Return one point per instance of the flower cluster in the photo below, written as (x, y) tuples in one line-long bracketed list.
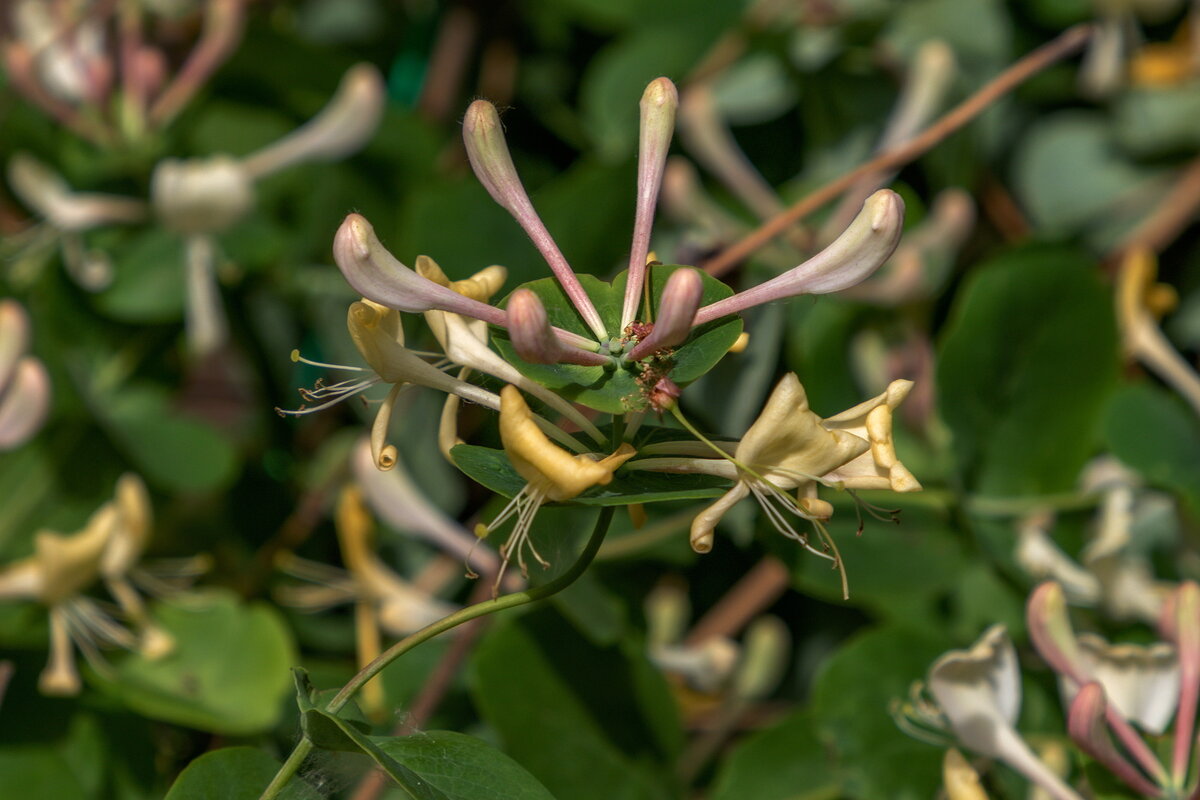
[(631, 344), (1114, 694)]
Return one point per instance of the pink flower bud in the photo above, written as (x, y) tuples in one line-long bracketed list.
[(680, 299), (534, 339), (861, 249)]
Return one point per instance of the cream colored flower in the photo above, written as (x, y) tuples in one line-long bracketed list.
[(552, 474), (62, 567)]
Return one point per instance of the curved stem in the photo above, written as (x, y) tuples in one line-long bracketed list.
[(304, 747)]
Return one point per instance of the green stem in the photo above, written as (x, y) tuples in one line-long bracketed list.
[(304, 747)]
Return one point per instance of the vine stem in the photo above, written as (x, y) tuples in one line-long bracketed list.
[(304, 747)]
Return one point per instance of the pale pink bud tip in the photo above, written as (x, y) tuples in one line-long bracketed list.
[(377, 275), (529, 328), (533, 338), (850, 259), (660, 92), (680, 299)]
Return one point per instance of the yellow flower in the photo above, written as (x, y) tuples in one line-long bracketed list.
[(552, 474), (62, 567), (1141, 302)]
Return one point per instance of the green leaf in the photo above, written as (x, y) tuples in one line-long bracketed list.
[(851, 695), (1071, 176), (587, 721), (462, 767), (170, 449), (491, 468), (233, 773), (1154, 433), (784, 762), (1026, 364), (1157, 121), (148, 279), (227, 673), (331, 731), (617, 390)]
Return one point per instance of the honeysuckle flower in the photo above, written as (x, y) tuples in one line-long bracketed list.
[(1140, 303), (534, 340), (396, 500), (69, 214), (24, 383), (552, 475), (490, 159), (1142, 682), (1055, 640), (200, 197), (705, 666), (382, 599), (61, 57), (658, 105), (979, 693), (789, 447), (378, 333), (922, 260), (62, 567), (1111, 572)]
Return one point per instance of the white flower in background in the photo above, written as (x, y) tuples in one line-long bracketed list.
[(201, 197)]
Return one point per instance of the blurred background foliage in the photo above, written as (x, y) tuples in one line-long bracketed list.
[(1024, 374)]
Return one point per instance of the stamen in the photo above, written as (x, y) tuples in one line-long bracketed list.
[(284, 412), (297, 358)]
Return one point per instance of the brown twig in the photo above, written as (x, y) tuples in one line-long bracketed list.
[(749, 597), (1056, 50)]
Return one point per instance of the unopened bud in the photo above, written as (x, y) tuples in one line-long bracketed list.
[(342, 126), (677, 310), (378, 276), (850, 259), (533, 338)]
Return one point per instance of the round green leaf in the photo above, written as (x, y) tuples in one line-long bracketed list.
[(228, 672)]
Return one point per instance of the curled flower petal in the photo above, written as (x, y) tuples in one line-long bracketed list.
[(979, 691), (658, 105), (533, 338), (378, 276), (879, 467), (492, 163), (550, 470), (340, 128), (1142, 683), (680, 299), (861, 249)]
